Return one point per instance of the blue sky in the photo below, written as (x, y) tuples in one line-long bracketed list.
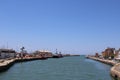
[(71, 26)]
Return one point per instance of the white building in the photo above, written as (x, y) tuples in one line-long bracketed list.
[(44, 53), (117, 57), (7, 53)]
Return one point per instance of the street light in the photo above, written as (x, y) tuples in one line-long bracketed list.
[(22, 50)]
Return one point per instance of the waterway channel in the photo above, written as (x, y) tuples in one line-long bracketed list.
[(67, 68)]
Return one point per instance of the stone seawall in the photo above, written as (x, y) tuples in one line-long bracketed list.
[(6, 64), (115, 70)]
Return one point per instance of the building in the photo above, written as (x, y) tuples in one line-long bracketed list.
[(96, 55), (109, 53), (43, 53), (117, 54), (7, 53)]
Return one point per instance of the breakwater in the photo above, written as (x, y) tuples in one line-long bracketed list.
[(7, 63), (115, 70)]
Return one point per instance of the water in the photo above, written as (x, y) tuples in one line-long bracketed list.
[(67, 68)]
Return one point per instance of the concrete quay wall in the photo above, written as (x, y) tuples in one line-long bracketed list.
[(109, 62), (115, 70), (6, 64)]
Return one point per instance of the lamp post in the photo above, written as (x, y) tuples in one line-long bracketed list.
[(22, 50), (56, 51)]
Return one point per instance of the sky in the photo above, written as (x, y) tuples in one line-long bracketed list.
[(71, 26)]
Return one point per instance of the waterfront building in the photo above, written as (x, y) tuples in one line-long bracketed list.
[(109, 53), (7, 53), (25, 54), (117, 54), (43, 53), (96, 55)]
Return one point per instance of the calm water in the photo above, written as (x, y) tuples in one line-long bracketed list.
[(68, 68)]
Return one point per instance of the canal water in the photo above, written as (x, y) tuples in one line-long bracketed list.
[(67, 68)]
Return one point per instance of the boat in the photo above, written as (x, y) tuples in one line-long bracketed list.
[(58, 56)]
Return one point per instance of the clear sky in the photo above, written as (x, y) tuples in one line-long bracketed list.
[(71, 26)]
